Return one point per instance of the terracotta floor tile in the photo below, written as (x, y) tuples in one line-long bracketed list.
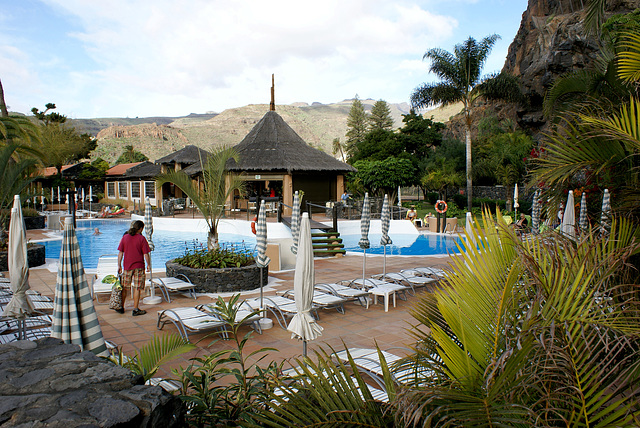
[(358, 327)]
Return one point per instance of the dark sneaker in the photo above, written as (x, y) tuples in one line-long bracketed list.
[(137, 312), (120, 311)]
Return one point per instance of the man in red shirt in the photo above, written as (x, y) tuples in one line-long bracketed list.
[(133, 250)]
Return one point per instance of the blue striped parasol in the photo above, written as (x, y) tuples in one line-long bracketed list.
[(605, 217), (385, 218), (582, 220), (295, 222), (74, 318), (262, 260), (365, 223), (535, 213)]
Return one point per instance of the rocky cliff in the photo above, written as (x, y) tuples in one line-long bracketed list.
[(552, 41)]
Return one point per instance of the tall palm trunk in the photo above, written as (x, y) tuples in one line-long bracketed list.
[(3, 105), (212, 240), (468, 147)]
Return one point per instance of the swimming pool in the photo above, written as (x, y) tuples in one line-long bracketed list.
[(168, 244), (172, 237), (406, 245)]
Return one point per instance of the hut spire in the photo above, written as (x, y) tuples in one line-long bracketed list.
[(272, 106)]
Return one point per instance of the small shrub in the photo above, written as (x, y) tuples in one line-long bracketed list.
[(199, 257)]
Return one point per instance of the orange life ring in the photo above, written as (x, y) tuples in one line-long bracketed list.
[(253, 225), (441, 207)]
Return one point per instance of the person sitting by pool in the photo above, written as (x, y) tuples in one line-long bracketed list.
[(96, 231), (412, 214), (522, 223)]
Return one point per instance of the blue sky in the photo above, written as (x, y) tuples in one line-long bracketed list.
[(117, 58)]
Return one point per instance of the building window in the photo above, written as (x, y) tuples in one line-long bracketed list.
[(150, 189), (111, 190), (122, 189), (135, 189)]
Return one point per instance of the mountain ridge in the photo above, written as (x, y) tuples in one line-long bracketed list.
[(317, 124)]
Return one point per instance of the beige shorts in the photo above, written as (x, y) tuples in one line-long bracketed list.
[(134, 278)]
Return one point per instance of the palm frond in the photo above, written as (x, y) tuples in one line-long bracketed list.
[(323, 393), (629, 58)]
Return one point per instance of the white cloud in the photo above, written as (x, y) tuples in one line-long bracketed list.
[(221, 53)]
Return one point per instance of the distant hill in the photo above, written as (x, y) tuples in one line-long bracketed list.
[(317, 124)]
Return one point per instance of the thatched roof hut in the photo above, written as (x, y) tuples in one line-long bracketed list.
[(272, 145), (274, 156)]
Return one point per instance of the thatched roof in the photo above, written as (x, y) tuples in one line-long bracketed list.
[(188, 155), (272, 145), (142, 170)]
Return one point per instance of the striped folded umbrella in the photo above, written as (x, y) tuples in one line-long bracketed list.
[(365, 223), (535, 213), (295, 222), (261, 238), (605, 217), (385, 218), (148, 223), (74, 318), (582, 220)]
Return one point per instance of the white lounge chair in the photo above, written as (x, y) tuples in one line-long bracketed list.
[(282, 308), (107, 265), (189, 320), (436, 273), (348, 293), (321, 299), (369, 360), (408, 280), (244, 314), (178, 284)]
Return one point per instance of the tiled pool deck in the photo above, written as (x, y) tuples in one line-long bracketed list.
[(358, 327)]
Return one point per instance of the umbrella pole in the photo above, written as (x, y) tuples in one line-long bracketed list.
[(384, 263), (304, 349), (261, 295), (364, 262)]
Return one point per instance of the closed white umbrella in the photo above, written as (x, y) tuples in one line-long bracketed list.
[(90, 200), (385, 219), (582, 222), (515, 200), (303, 326), (74, 318), (19, 307), (261, 246), (295, 222), (365, 223), (469, 227), (605, 216), (148, 231), (569, 217)]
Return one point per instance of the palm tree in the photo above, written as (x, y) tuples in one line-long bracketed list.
[(216, 188), (528, 333), (599, 145), (460, 73)]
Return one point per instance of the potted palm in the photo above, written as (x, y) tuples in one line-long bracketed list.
[(215, 189)]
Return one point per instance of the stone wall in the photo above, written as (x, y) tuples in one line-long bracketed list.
[(35, 257), (37, 222), (47, 383), (221, 280)]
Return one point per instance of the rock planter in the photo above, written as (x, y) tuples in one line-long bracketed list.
[(35, 256), (34, 222), (221, 280)]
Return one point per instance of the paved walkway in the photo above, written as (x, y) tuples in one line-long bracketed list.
[(358, 327)]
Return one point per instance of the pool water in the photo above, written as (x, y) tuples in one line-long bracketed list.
[(406, 245), (168, 244)]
